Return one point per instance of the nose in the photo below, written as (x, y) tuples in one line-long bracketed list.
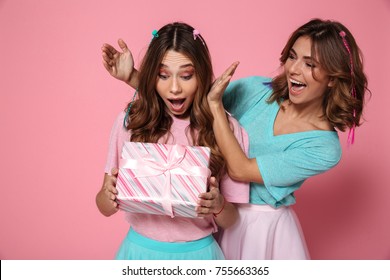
[(175, 86), (294, 66)]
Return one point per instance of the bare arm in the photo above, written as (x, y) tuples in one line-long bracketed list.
[(240, 167)]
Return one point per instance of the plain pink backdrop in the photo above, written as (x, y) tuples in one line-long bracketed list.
[(58, 104)]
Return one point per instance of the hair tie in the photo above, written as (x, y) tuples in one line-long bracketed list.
[(196, 34), (154, 34), (351, 133)]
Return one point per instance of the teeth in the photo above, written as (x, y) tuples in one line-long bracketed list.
[(296, 82), (176, 101)]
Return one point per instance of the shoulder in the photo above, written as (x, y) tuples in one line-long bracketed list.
[(119, 130), (252, 86), (243, 94), (325, 146), (234, 124), (233, 121), (252, 82), (119, 121), (120, 116), (258, 79), (118, 136)]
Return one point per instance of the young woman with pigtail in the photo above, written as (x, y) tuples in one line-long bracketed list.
[(292, 121), (171, 107)]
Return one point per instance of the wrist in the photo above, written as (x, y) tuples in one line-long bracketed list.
[(133, 79), (128, 81), (216, 107), (215, 214)]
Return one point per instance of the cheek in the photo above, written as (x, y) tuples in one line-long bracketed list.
[(160, 85), (191, 95), (194, 91), (286, 65), (195, 86), (191, 88), (160, 91)]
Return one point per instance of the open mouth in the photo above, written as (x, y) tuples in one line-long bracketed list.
[(177, 104), (297, 86)]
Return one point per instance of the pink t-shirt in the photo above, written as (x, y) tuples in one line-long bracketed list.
[(177, 229)]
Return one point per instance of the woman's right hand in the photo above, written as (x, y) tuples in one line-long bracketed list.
[(119, 64), (220, 84), (106, 197)]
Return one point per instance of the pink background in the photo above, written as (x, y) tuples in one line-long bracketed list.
[(58, 104)]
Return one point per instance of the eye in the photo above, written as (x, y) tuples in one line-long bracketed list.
[(291, 56), (163, 76), (311, 64), (187, 77)]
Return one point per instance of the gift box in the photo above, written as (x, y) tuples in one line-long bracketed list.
[(162, 179)]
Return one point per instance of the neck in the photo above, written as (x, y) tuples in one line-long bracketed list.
[(311, 112), (303, 111)]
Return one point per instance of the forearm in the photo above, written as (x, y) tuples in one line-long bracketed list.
[(239, 166)]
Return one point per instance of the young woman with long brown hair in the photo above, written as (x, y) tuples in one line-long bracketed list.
[(172, 108)]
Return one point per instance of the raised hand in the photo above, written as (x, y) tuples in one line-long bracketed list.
[(119, 64), (220, 84)]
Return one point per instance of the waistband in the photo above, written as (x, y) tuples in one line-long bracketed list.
[(170, 247), (260, 207)]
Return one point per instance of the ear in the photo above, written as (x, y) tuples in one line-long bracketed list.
[(331, 82)]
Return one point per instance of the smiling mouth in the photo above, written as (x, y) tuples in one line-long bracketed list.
[(297, 86)]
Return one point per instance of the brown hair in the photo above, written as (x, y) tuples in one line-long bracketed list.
[(148, 119), (327, 46)]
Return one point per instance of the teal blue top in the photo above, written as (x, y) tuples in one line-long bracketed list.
[(285, 161)]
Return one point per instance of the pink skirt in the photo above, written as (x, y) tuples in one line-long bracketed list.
[(264, 233)]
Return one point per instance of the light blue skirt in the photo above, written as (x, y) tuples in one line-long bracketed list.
[(138, 247)]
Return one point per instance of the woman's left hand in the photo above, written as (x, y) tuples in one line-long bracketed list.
[(210, 202)]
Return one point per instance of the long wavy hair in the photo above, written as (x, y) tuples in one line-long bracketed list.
[(340, 107), (148, 119)]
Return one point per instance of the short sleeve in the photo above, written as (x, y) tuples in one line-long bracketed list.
[(286, 169), (234, 191), (243, 94), (117, 137)]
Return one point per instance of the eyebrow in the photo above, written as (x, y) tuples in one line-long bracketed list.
[(305, 57)]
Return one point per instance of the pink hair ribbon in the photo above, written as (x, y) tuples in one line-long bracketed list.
[(196, 34), (351, 133)]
